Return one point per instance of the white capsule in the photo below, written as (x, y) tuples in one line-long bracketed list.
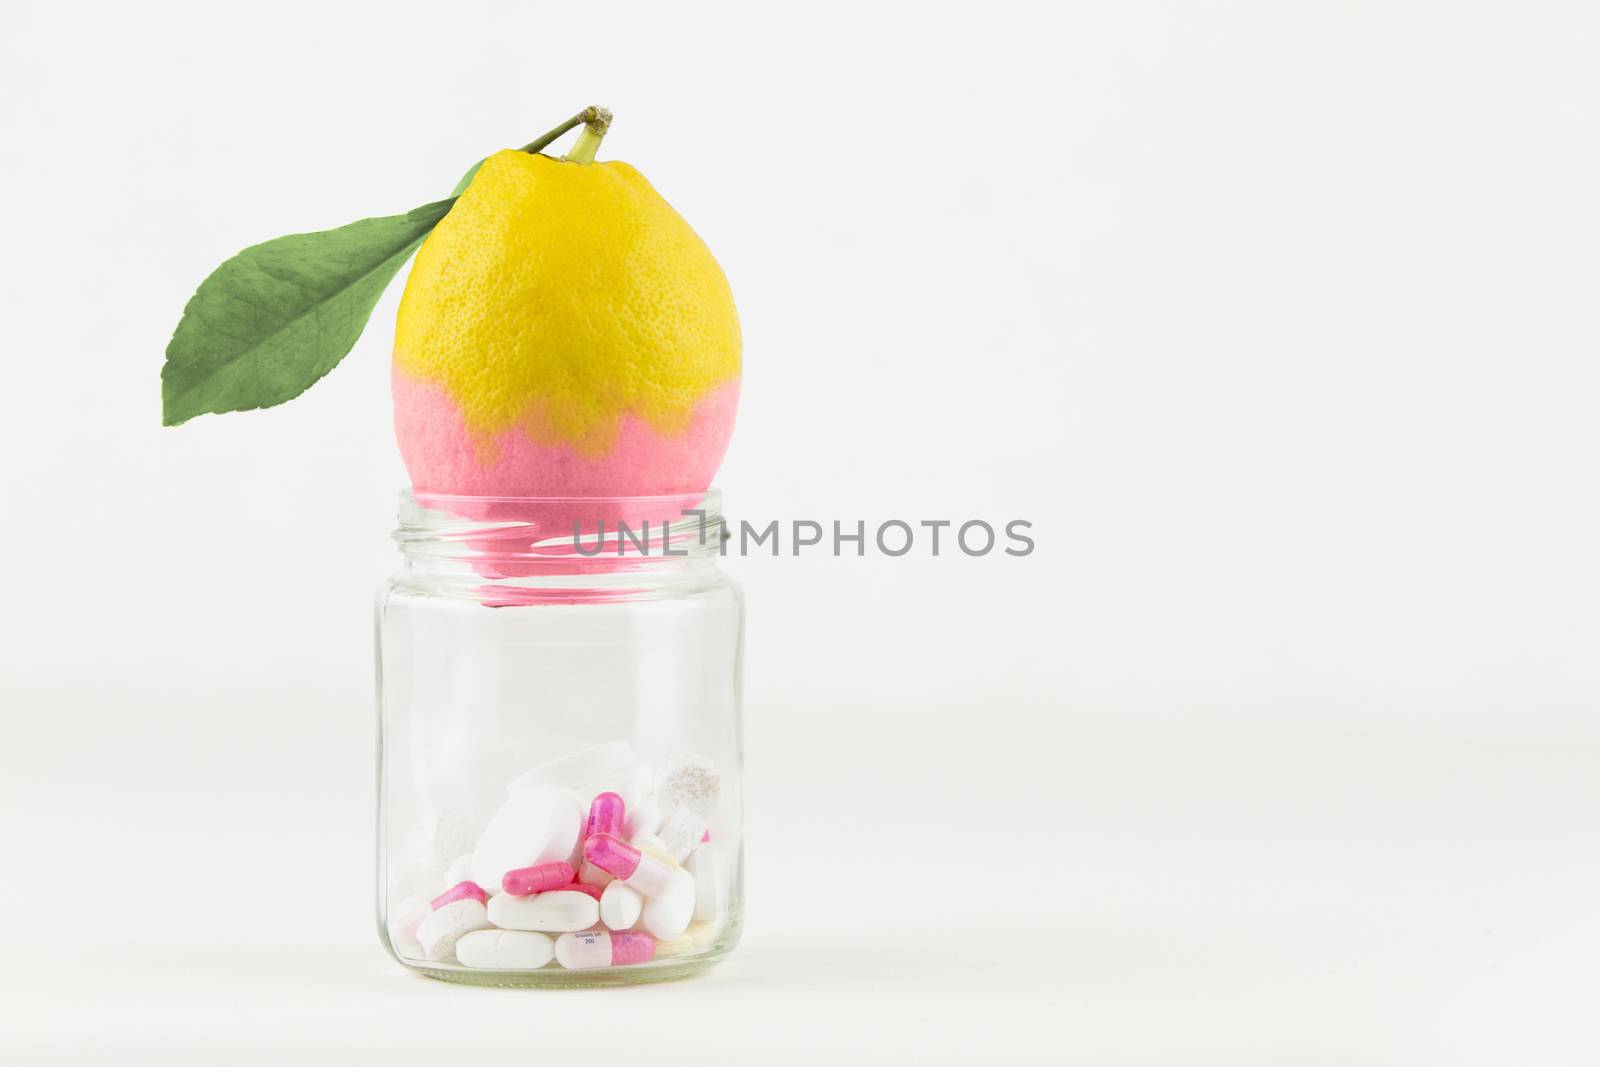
[(540, 824), (438, 933), (620, 906), (683, 832), (559, 910), (667, 914), (507, 950), (702, 865)]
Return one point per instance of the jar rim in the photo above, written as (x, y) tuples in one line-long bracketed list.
[(524, 536)]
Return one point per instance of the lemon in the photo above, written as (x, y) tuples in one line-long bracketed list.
[(558, 305)]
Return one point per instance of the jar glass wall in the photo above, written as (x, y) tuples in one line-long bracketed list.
[(535, 655)]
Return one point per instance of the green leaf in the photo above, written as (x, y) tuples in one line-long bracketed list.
[(271, 321), (466, 179)]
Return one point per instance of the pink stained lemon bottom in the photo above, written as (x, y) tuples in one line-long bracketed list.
[(543, 495), (444, 457)]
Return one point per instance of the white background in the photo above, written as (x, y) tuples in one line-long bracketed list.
[(1278, 321)]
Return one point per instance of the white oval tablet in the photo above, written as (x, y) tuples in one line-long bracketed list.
[(620, 906), (702, 865), (562, 910), (577, 768), (668, 914), (511, 950), (538, 825), (439, 932)]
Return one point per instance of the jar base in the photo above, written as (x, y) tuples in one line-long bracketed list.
[(554, 976)]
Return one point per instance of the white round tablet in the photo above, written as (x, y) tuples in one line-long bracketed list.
[(537, 825), (439, 932), (668, 914), (620, 906), (577, 768)]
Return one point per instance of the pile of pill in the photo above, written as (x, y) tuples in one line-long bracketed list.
[(593, 860)]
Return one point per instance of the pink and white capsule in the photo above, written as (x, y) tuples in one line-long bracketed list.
[(629, 865), (606, 815), (536, 879), (607, 812), (649, 843), (579, 887), (459, 891), (590, 875), (602, 948), (404, 918)]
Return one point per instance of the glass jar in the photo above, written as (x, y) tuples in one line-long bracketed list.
[(560, 742)]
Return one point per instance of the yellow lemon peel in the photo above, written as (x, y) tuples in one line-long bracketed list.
[(557, 296)]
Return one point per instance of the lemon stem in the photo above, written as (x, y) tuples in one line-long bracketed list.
[(589, 116), (594, 129)]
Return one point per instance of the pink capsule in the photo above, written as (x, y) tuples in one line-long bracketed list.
[(627, 864), (459, 891), (589, 874), (588, 949), (606, 815), (536, 879)]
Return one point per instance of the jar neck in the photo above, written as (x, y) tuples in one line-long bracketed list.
[(520, 538)]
